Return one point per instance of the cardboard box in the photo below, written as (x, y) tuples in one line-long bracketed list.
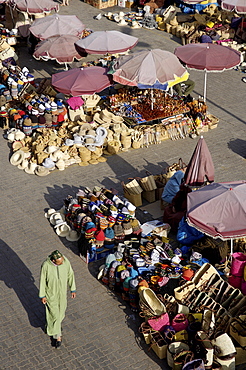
[(135, 199), (149, 195)]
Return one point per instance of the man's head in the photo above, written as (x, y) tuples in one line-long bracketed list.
[(56, 257)]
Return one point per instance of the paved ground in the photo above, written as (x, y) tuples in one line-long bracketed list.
[(100, 332)]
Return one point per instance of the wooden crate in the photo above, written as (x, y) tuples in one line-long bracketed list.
[(99, 4)]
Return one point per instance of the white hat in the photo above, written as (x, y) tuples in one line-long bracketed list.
[(135, 24), (53, 106), (73, 236), (63, 230), (41, 107), (30, 169), (121, 14), (69, 142), (19, 135), (56, 216), (23, 164), (35, 112), (122, 22), (49, 212), (58, 154), (41, 171), (48, 163), (11, 136), (17, 157), (60, 164)]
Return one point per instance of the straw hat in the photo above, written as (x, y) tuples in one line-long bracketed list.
[(30, 169), (49, 212), (73, 236), (55, 217), (17, 145), (97, 118), (63, 230), (23, 164), (41, 171), (58, 154), (60, 164), (17, 158), (51, 149)]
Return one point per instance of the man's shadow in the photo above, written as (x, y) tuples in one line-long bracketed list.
[(16, 276)]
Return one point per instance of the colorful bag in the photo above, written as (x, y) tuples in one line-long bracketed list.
[(238, 264), (194, 365), (238, 330), (180, 322), (158, 323)]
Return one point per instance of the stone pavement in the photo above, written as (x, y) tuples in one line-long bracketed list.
[(100, 331)]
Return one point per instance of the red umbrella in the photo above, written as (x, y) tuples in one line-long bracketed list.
[(57, 25), (200, 168), (103, 42), (238, 6), (208, 57), (59, 48), (219, 209), (82, 81), (33, 6)]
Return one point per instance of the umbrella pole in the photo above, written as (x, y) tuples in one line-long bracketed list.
[(205, 86), (152, 104), (66, 67), (231, 246)]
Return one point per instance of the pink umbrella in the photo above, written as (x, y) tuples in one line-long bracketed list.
[(59, 48), (57, 25), (219, 210), (238, 6), (103, 42), (208, 58), (82, 81), (33, 6), (148, 67), (200, 168)]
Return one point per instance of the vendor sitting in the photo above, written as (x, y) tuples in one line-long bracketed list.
[(173, 186), (184, 91), (177, 210)]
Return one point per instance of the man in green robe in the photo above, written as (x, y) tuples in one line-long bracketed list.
[(56, 274)]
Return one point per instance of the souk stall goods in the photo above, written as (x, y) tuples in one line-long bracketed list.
[(198, 320), (99, 219)]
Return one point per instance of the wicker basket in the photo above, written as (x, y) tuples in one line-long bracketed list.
[(212, 121)]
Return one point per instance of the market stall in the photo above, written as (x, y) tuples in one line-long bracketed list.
[(189, 310)]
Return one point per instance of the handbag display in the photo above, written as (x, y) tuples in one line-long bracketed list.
[(158, 323), (173, 349), (238, 264), (203, 274), (183, 291), (180, 322), (158, 344), (238, 330)]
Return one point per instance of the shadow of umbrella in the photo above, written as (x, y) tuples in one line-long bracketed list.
[(16, 276), (238, 146)]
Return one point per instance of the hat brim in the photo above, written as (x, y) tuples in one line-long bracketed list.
[(17, 158)]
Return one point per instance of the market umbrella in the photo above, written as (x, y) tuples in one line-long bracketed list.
[(200, 167), (82, 81), (33, 6), (59, 48), (149, 69), (238, 6), (219, 210), (57, 25), (103, 42), (208, 57)]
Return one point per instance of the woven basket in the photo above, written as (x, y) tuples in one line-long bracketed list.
[(113, 146)]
